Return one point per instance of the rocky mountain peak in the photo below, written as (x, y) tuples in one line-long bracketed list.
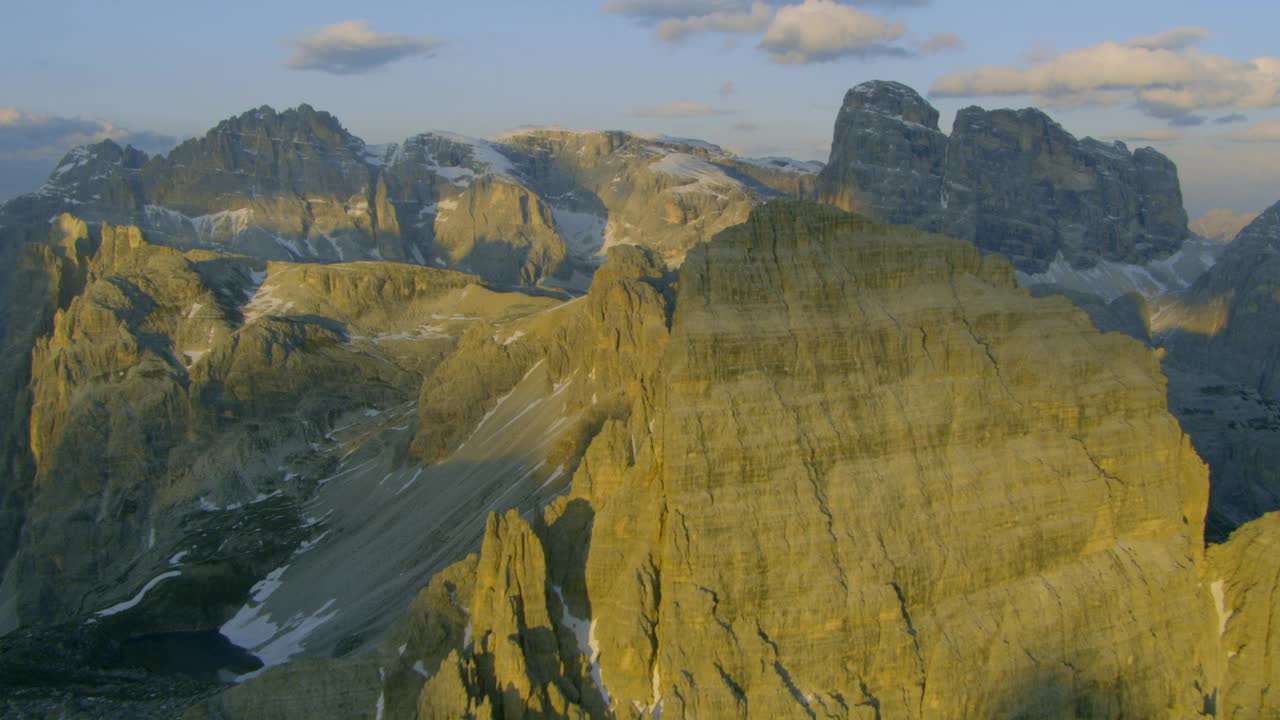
[(263, 134), (1264, 230), (1013, 181), (891, 99)]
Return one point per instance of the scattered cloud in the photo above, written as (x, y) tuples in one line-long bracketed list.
[(1175, 39), (32, 143), (1232, 118), (1164, 76), (728, 88), (796, 33), (1187, 120), (33, 136), (939, 43), (677, 110), (751, 20), (656, 10), (350, 48), (822, 31), (1149, 135), (1267, 131)]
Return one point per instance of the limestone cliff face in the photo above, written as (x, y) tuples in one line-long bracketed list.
[(1243, 576), (165, 390), (501, 231), (867, 470), (1013, 182), (44, 278), (602, 352), (886, 156), (664, 193)]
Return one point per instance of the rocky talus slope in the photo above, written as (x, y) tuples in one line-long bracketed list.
[(1014, 182), (867, 476)]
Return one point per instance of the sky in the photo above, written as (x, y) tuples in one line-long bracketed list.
[(1199, 81)]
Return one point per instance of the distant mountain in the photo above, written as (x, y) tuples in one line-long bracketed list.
[(536, 207), (1222, 337), (1221, 224), (1013, 182)]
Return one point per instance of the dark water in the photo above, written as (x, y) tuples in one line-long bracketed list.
[(206, 655)]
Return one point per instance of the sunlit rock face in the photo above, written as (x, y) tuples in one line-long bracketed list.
[(870, 477), (1242, 580), (536, 207), (1013, 182)]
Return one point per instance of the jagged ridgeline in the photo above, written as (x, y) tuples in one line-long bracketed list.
[(534, 207), (575, 424), (856, 473)]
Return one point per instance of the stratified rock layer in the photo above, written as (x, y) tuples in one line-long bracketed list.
[(1013, 182), (1245, 574), (870, 477)]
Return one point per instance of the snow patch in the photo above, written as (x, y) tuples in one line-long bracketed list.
[(1110, 280), (584, 631), (785, 164), (222, 225), (1218, 590), (582, 232), (704, 176), (133, 601), (253, 629), (381, 706)]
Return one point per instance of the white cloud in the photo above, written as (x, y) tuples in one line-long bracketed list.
[(35, 136), (822, 30), (751, 20), (1266, 131), (350, 47), (1162, 75), (940, 42), (678, 110)]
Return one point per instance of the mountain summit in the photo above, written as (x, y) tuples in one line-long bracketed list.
[(1013, 182)]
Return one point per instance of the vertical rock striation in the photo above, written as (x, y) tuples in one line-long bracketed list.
[(867, 468)]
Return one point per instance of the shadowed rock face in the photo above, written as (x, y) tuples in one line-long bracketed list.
[(1013, 182), (867, 467), (1223, 342)]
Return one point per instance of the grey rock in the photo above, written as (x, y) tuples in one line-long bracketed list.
[(1012, 182)]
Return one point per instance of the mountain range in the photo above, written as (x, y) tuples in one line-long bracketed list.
[(594, 424)]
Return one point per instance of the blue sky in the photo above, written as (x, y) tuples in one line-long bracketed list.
[(760, 78)]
